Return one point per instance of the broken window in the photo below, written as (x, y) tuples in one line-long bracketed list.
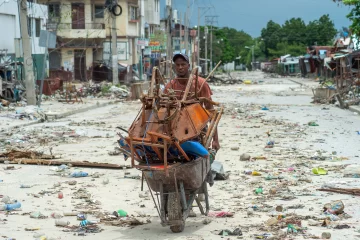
[(54, 10), (37, 27), (133, 13), (99, 11)]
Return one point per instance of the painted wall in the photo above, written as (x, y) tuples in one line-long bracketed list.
[(9, 10), (152, 12)]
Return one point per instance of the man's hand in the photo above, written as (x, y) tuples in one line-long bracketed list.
[(216, 145)]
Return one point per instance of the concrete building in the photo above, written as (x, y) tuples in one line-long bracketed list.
[(83, 29), (152, 17), (10, 25)]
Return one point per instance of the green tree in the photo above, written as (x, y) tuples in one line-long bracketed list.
[(320, 32), (354, 15), (271, 35)]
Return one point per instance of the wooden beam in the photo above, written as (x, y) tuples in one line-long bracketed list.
[(84, 164)]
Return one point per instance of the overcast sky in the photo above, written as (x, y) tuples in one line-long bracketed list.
[(252, 15)]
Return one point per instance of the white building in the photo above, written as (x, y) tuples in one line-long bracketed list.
[(10, 25)]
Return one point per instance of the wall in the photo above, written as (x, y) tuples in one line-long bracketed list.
[(10, 9), (152, 12)]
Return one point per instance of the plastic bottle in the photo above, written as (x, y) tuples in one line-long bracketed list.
[(79, 174), (61, 223), (56, 215), (87, 222), (10, 207)]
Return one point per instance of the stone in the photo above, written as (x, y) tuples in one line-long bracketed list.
[(245, 157)]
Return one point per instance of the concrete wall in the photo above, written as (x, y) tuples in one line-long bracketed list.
[(152, 12), (9, 10)]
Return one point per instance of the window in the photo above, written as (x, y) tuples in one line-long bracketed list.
[(29, 25), (54, 10), (37, 27), (99, 11), (133, 13)]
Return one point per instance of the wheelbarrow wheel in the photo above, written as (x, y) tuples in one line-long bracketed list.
[(174, 211)]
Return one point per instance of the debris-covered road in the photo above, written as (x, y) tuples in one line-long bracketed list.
[(273, 195)]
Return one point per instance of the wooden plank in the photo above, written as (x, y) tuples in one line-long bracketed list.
[(156, 149), (84, 164), (182, 151), (159, 135), (148, 144)]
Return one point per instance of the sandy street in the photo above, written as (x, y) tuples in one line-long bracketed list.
[(285, 170)]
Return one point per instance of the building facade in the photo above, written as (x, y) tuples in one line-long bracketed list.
[(83, 30), (10, 39)]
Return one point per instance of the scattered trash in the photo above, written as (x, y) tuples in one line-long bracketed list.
[(334, 207), (120, 213), (319, 171), (61, 223), (236, 232), (259, 190), (207, 221), (326, 235), (343, 226), (313, 124), (37, 215), (220, 214), (11, 207), (79, 174), (265, 109), (60, 195), (245, 157)]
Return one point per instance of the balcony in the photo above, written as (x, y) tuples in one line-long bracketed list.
[(78, 30)]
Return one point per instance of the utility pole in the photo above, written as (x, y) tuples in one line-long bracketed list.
[(180, 29), (211, 20), (198, 39), (206, 49), (186, 22), (169, 51), (114, 51), (28, 61), (142, 35)]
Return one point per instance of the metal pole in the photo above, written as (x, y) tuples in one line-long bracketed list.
[(43, 75), (186, 22), (169, 41), (198, 39), (114, 59), (211, 47), (206, 49), (253, 58), (28, 61)]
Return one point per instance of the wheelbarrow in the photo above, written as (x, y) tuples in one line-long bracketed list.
[(158, 139), (174, 193)]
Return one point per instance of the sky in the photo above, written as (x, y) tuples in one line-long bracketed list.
[(252, 15)]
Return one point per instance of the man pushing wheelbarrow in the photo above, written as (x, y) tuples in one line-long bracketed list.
[(170, 141)]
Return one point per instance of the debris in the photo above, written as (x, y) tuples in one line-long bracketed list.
[(326, 235), (319, 171), (207, 221), (234, 148), (343, 226), (37, 215), (313, 124), (61, 223), (11, 207), (79, 174), (245, 157), (334, 207), (120, 213), (60, 195), (220, 214), (259, 190), (236, 232), (218, 172)]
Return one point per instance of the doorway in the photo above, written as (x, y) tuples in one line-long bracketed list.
[(78, 15), (80, 64)]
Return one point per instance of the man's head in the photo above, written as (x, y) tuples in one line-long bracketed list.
[(182, 65)]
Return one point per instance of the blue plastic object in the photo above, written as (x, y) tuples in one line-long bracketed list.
[(79, 174), (10, 207), (194, 148)]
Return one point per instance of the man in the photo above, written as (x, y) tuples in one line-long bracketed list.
[(182, 66)]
